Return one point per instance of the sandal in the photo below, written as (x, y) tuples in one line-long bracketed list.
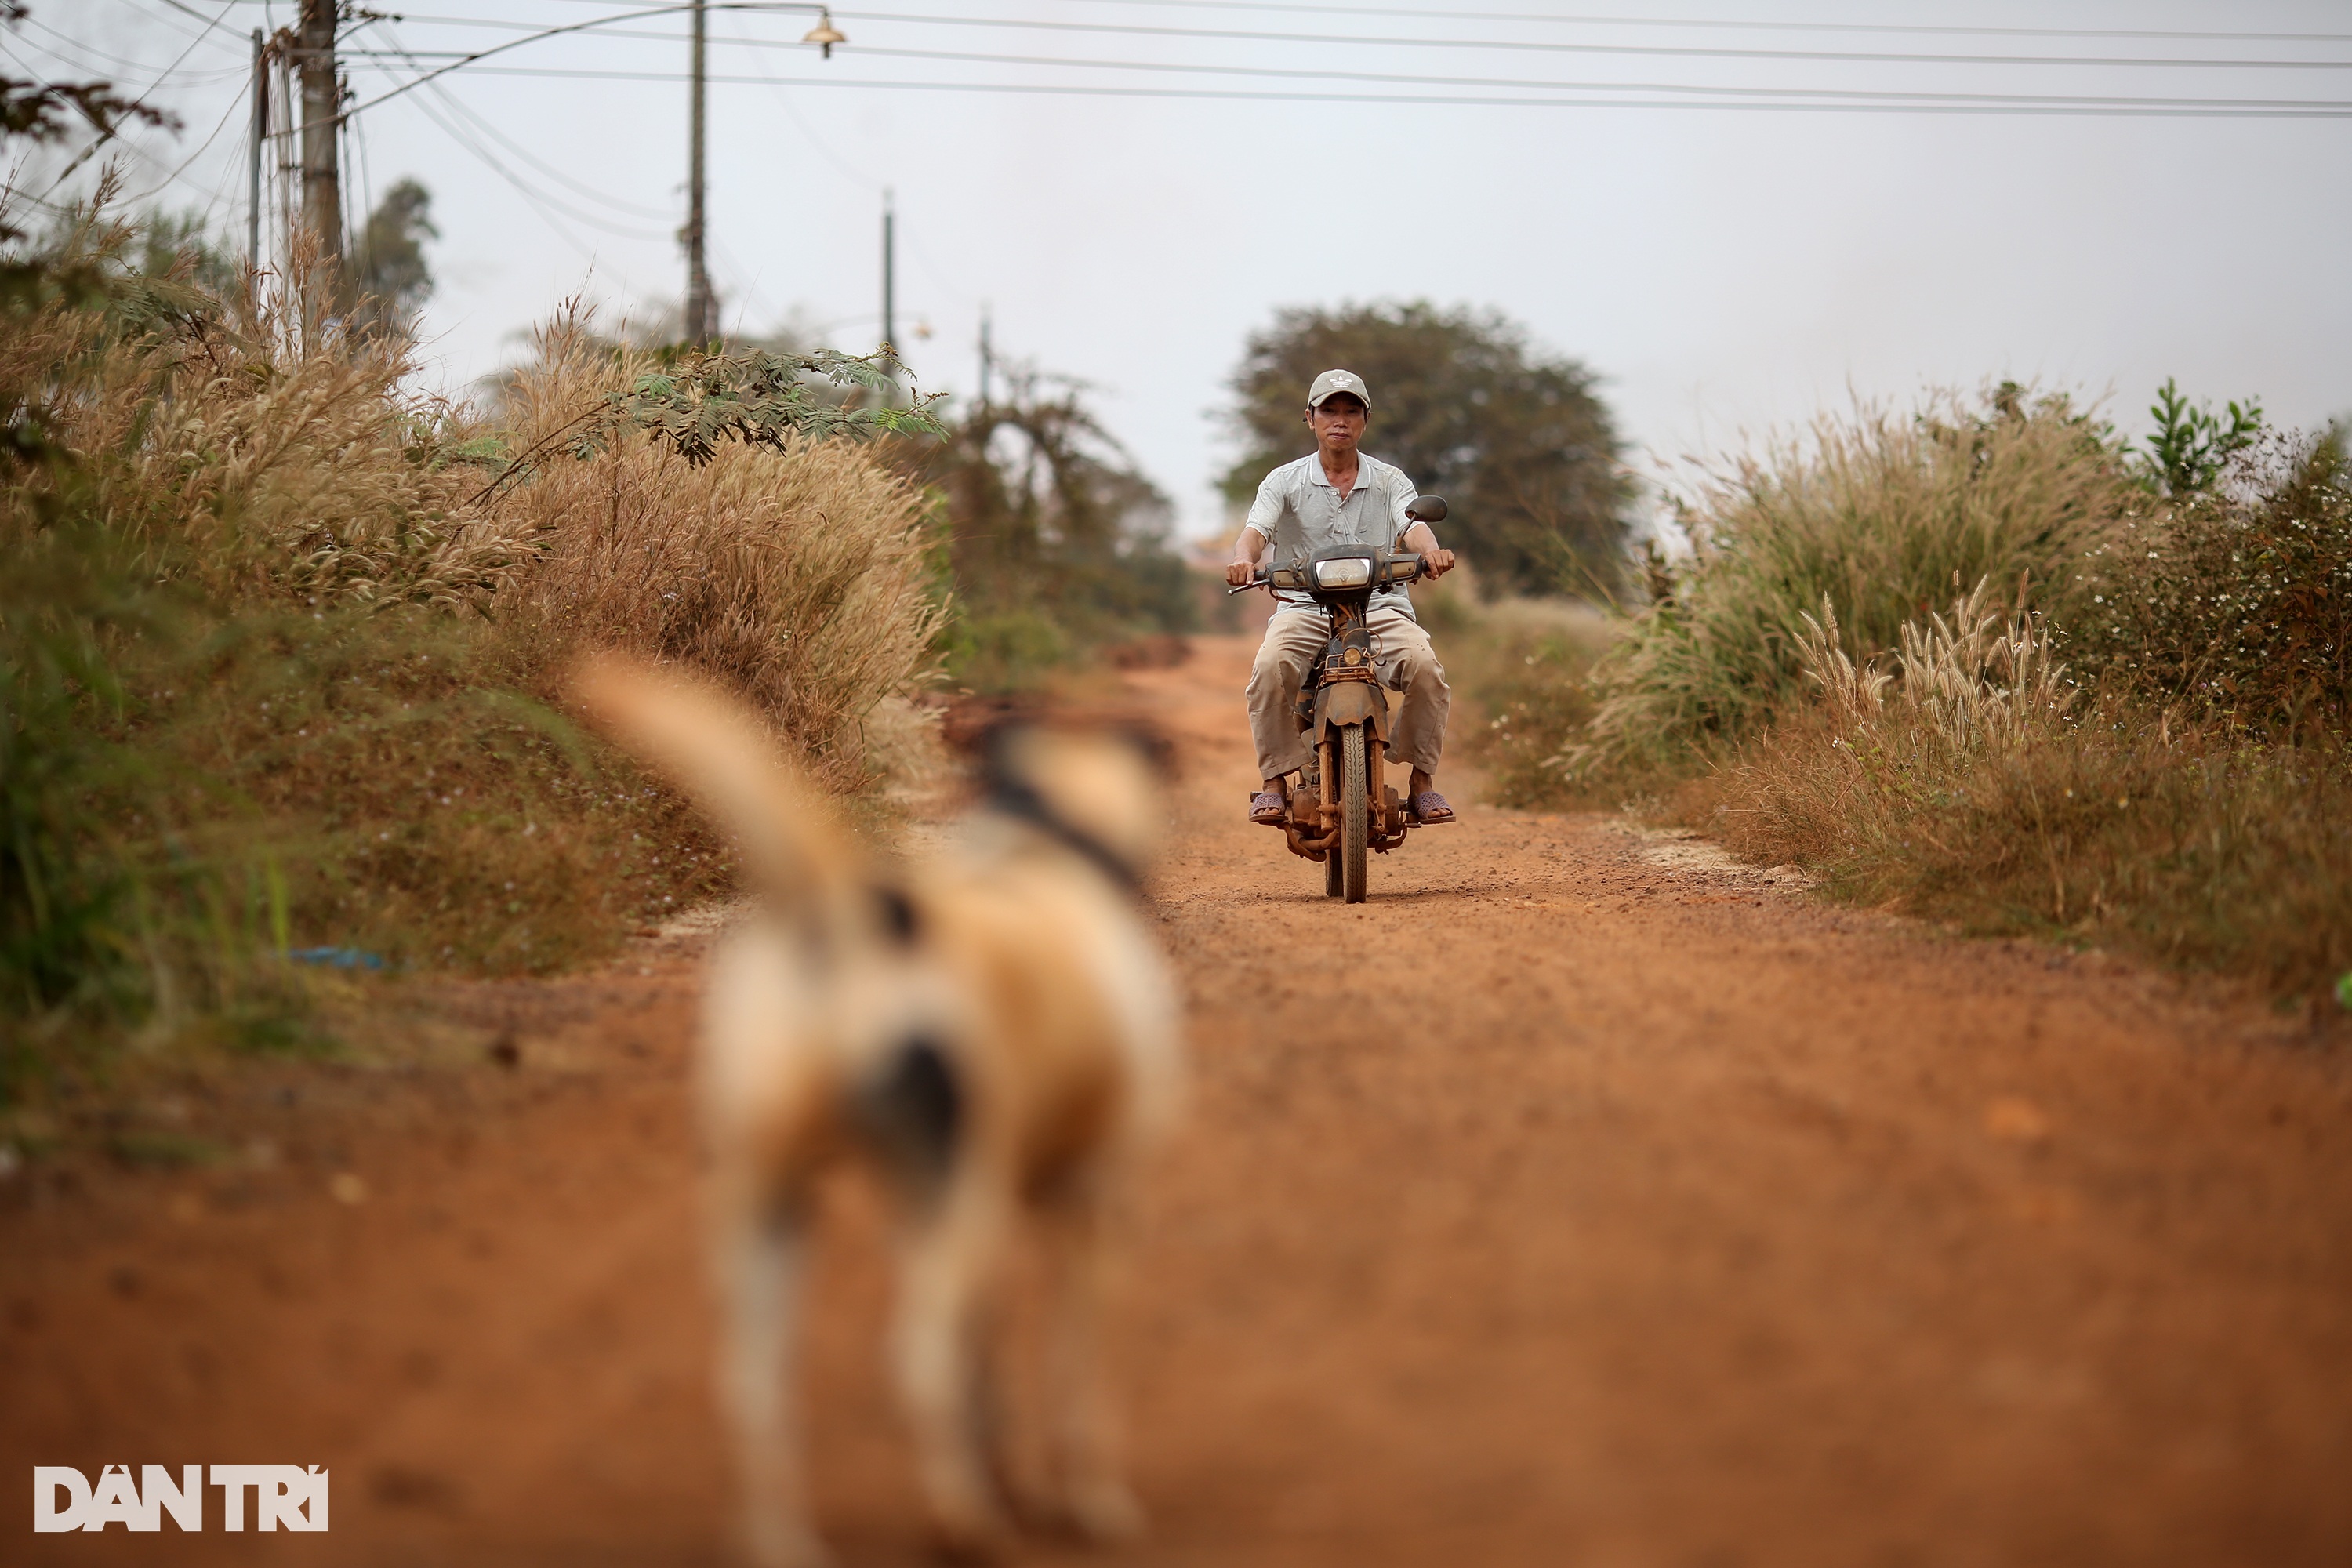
[(1266, 807), (1428, 809)]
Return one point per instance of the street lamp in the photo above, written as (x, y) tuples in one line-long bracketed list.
[(823, 32)]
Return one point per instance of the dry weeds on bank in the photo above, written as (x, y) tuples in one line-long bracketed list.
[(282, 662), (1976, 665)]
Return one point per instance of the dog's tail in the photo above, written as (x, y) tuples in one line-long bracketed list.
[(713, 746)]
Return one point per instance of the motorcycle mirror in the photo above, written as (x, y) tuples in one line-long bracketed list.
[(1427, 508)]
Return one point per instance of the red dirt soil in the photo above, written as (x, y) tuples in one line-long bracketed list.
[(1578, 1199)]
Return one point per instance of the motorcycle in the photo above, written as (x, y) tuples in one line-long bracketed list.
[(1340, 808)]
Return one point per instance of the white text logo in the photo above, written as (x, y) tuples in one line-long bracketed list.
[(287, 1496)]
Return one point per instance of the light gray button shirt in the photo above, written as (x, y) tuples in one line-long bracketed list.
[(1298, 509)]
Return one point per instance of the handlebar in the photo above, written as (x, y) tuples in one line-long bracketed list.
[(1263, 576)]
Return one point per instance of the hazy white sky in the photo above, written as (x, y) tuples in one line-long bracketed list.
[(1724, 269)]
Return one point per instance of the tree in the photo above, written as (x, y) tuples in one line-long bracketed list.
[(1514, 439), (1056, 538), (388, 266)]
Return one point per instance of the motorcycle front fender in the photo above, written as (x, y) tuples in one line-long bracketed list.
[(1351, 702)]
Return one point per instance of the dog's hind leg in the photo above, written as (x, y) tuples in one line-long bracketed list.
[(762, 1254), (1092, 1496), (949, 1266)]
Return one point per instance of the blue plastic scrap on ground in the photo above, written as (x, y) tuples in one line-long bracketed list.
[(336, 957)]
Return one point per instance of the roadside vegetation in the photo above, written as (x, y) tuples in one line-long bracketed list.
[(1990, 662), (1519, 667), (281, 642), (1056, 545)]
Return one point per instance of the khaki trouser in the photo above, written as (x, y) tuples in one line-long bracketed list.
[(1297, 637)]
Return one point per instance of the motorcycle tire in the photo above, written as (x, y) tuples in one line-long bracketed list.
[(1355, 813)]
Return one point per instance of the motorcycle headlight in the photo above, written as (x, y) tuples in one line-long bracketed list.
[(1349, 571)]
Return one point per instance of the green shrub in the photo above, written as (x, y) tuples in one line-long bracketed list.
[(1518, 669), (2234, 600), (1883, 517), (2192, 803), (1011, 651)]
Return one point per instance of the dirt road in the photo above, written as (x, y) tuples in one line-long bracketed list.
[(1656, 1214)]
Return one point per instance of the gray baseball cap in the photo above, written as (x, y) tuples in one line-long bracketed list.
[(1336, 381)]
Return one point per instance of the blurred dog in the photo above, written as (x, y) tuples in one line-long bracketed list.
[(992, 1032)]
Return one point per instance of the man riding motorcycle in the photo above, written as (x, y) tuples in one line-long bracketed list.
[(1339, 494)]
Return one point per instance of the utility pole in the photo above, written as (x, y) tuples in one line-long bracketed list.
[(322, 193), (889, 282), (253, 161), (699, 325), (987, 357)]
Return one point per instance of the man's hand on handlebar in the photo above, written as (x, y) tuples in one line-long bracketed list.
[(1240, 573), (1435, 564)]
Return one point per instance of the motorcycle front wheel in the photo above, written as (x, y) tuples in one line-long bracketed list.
[(1355, 813)]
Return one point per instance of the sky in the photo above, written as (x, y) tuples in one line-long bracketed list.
[(1733, 232)]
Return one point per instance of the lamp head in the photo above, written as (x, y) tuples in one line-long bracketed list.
[(824, 33)]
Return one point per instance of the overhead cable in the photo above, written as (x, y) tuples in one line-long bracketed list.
[(1730, 25), (1902, 95), (1793, 102), (545, 205), (1710, 24), (107, 134), (459, 107), (1698, 51), (605, 26)]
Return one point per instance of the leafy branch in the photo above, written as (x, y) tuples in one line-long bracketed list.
[(2191, 445), (38, 111), (759, 398)]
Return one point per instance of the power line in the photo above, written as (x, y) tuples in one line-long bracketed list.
[(1794, 100), (202, 148), (540, 200), (465, 112), (1724, 25), (574, 28), (793, 110), (89, 50), (604, 27), (1871, 57), (106, 133), (1710, 24), (1878, 95), (1882, 95)]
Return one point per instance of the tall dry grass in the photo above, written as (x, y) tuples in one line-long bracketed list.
[(241, 448), (2177, 842), (1882, 515), (280, 667), (1969, 779), (800, 577), (1813, 688)]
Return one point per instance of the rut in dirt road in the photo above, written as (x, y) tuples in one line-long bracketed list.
[(1567, 1203)]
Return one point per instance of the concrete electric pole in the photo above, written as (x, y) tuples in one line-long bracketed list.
[(253, 159), (889, 282), (699, 319), (700, 323), (323, 185)]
